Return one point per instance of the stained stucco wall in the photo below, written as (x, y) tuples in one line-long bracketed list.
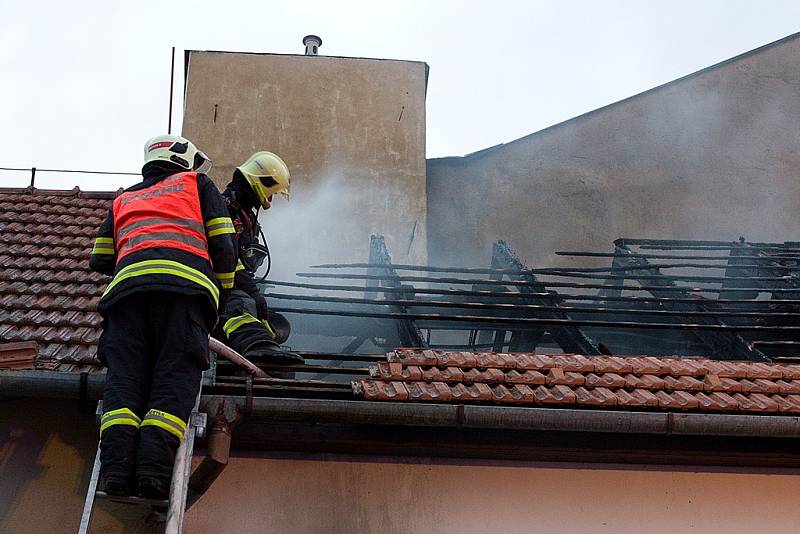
[(303, 496), (45, 461), (713, 156), (352, 132), (46, 453)]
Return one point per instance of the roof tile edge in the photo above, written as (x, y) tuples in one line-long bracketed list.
[(74, 192)]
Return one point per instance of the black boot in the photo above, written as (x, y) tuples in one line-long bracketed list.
[(117, 485), (152, 488), (268, 353)]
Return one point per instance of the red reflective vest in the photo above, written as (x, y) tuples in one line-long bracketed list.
[(166, 214)]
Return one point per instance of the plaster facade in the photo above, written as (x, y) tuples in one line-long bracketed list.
[(46, 458), (713, 155), (352, 132)]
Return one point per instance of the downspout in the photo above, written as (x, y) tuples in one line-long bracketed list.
[(224, 416)]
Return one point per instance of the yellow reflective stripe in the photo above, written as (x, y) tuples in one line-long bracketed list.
[(220, 225), (103, 245), (220, 231), (218, 220), (239, 266), (164, 267), (233, 323), (226, 279), (122, 416), (165, 421), (269, 328)]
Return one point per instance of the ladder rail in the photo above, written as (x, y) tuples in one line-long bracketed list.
[(88, 506), (179, 484)]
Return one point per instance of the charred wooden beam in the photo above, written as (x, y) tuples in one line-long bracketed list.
[(522, 296), (519, 283), (730, 343), (408, 332), (533, 308), (533, 323)]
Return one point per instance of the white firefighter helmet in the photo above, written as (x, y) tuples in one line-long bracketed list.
[(267, 175), (171, 148), (202, 163)]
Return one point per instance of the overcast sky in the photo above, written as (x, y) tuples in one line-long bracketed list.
[(84, 84)]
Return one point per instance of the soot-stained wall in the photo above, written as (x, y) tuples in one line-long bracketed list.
[(715, 155), (351, 130)]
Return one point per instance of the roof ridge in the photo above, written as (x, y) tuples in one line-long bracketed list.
[(738, 57), (76, 192)]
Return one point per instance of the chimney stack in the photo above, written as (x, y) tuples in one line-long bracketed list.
[(312, 43)]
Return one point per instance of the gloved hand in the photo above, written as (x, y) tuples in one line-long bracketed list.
[(261, 307)]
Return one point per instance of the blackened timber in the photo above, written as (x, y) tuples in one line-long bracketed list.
[(530, 322), (587, 254), (730, 343), (682, 278), (408, 332), (569, 338), (499, 336), (523, 296), (631, 241), (736, 271), (544, 270), (617, 281), (418, 290), (515, 283), (418, 303), (711, 247)]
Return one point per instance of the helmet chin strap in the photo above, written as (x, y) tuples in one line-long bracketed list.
[(244, 193)]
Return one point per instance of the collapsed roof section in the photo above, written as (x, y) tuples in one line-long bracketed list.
[(712, 299), (716, 300)]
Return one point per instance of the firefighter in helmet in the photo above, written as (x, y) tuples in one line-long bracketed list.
[(246, 322), (169, 244)]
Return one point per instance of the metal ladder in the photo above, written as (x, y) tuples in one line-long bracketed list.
[(172, 509)]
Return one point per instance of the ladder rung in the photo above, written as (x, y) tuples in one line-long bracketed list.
[(132, 499)]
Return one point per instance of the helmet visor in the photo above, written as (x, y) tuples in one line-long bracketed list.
[(202, 163), (270, 185)]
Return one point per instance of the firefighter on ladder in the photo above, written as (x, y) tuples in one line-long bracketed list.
[(245, 321), (169, 243)]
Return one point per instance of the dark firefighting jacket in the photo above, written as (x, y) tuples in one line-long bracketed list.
[(171, 232), (238, 202)]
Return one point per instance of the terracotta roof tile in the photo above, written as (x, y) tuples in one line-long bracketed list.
[(644, 382), (21, 355), (47, 291), (682, 383), (791, 387), (472, 392), (429, 391), (596, 397), (518, 393), (612, 364), (525, 377), (574, 362), (790, 372), (531, 379)]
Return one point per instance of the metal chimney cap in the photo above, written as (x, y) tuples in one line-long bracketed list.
[(312, 40), (312, 43)]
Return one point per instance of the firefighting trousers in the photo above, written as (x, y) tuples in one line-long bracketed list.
[(155, 345), (240, 324)]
